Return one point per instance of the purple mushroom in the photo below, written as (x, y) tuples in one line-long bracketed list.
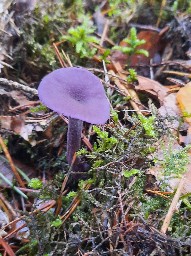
[(78, 94)]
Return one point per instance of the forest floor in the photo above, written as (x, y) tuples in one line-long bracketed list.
[(130, 193)]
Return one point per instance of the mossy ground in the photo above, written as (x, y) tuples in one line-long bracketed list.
[(106, 209)]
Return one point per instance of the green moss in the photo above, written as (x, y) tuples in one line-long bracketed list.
[(81, 38)]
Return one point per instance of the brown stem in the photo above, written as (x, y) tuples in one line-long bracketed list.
[(14, 170)]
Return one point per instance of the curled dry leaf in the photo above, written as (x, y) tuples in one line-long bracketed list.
[(13, 123), (23, 232), (17, 125), (153, 88), (169, 108), (20, 99)]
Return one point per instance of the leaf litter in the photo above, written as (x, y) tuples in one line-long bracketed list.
[(123, 215)]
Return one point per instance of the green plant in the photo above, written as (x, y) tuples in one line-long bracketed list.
[(148, 125), (35, 183), (133, 44), (38, 108), (71, 195), (175, 161), (132, 77), (114, 116), (181, 5), (117, 6), (104, 142), (80, 37), (105, 54), (129, 173), (56, 223)]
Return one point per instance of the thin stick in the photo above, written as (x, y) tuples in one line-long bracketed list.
[(173, 206), (18, 86), (104, 32), (44, 208), (12, 186), (13, 168), (7, 247), (62, 63), (67, 58)]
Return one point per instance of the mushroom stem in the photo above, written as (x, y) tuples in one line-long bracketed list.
[(73, 137)]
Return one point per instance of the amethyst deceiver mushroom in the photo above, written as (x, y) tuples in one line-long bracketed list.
[(78, 94)]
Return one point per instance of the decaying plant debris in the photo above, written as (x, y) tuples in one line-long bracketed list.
[(131, 192)]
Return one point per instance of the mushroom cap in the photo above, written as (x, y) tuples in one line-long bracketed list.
[(77, 93)]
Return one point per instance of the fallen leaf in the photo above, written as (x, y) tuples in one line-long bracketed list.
[(22, 233), (12, 123), (153, 88), (17, 125), (153, 45), (20, 99), (168, 109)]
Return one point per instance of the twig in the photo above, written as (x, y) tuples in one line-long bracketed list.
[(13, 168), (7, 207), (128, 92), (18, 169), (73, 205), (18, 86), (44, 208), (62, 63), (104, 32), (173, 206), (7, 247), (12, 186), (67, 58)]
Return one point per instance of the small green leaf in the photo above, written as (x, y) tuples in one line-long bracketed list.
[(129, 173), (143, 52), (71, 194), (79, 46), (56, 223), (35, 183), (114, 116)]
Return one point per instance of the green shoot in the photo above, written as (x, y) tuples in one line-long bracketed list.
[(130, 173), (80, 37), (35, 183), (133, 44), (104, 142), (56, 223), (148, 125), (132, 77)]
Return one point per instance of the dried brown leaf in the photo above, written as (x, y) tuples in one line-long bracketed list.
[(153, 88)]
